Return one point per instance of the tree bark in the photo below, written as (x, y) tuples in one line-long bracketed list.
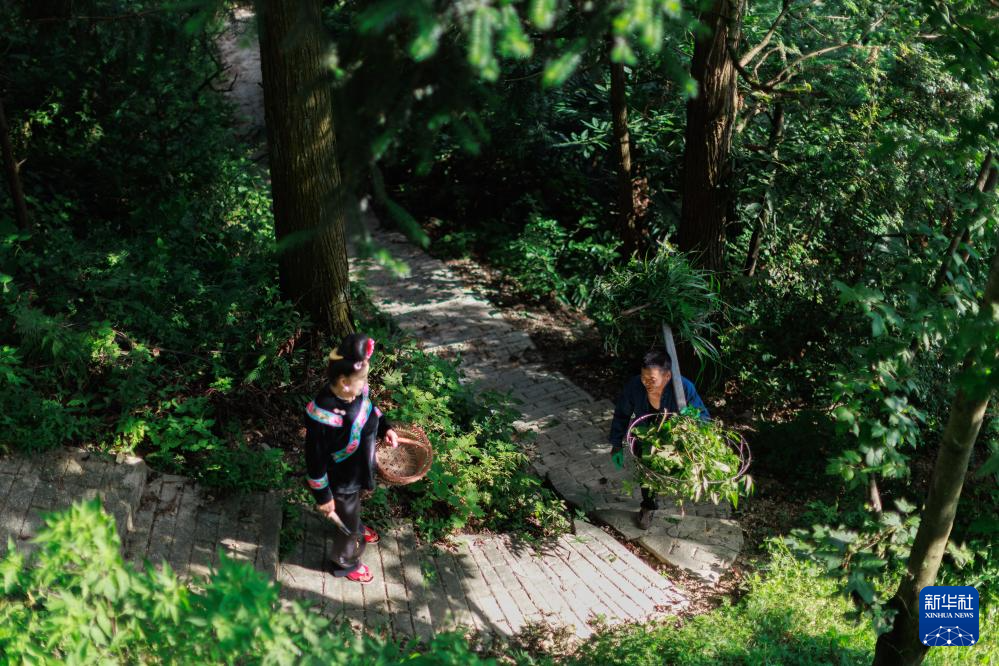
[(627, 219), (13, 171), (305, 178), (902, 645), (710, 120), (756, 240)]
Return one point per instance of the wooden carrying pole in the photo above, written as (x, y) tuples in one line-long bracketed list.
[(681, 398)]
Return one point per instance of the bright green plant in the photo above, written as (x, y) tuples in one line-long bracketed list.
[(547, 261), (531, 259), (631, 303), (683, 456)]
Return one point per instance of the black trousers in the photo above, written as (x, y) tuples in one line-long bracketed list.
[(648, 495), (649, 499), (344, 551)]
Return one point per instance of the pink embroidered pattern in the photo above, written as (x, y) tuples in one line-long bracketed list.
[(320, 483)]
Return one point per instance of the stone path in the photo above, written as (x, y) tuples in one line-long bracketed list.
[(33, 485), (159, 517), (572, 451), (489, 583), (178, 522)]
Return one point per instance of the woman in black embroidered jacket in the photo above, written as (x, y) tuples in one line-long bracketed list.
[(341, 427)]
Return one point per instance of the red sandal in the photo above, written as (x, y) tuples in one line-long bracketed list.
[(361, 574), (370, 536)]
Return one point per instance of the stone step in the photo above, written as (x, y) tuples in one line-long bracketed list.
[(494, 584), (32, 485), (188, 526), (703, 545)]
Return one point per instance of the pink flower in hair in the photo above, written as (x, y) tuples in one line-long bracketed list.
[(369, 348)]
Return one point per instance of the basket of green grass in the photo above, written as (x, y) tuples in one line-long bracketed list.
[(685, 457)]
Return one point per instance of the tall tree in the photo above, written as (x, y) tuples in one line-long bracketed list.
[(13, 170), (305, 176), (627, 217), (710, 121), (902, 645)]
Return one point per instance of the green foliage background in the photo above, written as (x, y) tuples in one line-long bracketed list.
[(143, 313)]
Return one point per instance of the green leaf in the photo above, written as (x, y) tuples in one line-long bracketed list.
[(990, 466), (514, 43), (877, 324), (859, 584), (427, 39), (542, 13), (559, 70)]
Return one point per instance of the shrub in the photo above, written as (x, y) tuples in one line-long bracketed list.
[(630, 304), (531, 259), (791, 615), (143, 342), (143, 312), (546, 260)]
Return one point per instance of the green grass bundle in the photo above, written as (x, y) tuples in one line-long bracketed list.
[(685, 457)]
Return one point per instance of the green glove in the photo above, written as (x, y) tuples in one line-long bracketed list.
[(617, 457)]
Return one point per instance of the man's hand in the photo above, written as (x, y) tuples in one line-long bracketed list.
[(328, 508), (617, 457), (392, 438)]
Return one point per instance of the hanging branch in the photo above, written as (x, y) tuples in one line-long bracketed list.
[(785, 74), (753, 52)]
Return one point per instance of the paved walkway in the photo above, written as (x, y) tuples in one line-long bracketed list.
[(488, 583), (433, 304), (492, 584), (159, 517)]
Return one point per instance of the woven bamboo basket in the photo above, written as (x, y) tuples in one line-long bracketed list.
[(740, 448), (407, 463)]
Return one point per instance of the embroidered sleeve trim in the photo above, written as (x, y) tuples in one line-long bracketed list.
[(320, 483)]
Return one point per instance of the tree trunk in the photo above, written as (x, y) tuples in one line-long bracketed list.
[(710, 120), (756, 241), (986, 182), (305, 177), (986, 187), (627, 219), (13, 171), (902, 644)]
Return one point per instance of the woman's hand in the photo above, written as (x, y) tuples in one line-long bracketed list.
[(328, 508), (617, 457), (392, 438)]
